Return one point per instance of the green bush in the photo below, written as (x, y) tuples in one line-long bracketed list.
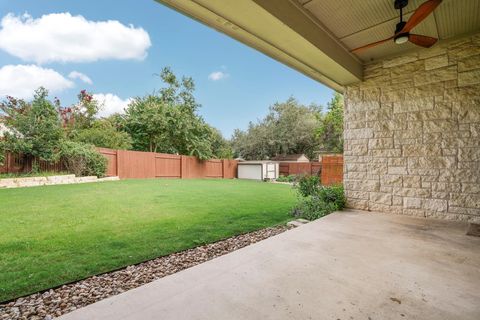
[(308, 185), (333, 194), (82, 159), (317, 201), (290, 178), (312, 208)]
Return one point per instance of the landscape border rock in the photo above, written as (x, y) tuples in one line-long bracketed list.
[(61, 300), (22, 182)]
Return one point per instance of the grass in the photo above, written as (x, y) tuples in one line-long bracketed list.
[(58, 234)]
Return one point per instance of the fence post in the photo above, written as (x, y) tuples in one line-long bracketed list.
[(117, 164), (183, 167), (7, 162), (223, 168)]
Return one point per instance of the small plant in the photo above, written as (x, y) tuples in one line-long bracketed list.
[(315, 200), (333, 194), (312, 208), (291, 178), (308, 185)]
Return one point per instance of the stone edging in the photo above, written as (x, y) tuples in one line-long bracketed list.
[(50, 180)]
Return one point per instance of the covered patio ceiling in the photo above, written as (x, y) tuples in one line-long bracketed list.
[(315, 37)]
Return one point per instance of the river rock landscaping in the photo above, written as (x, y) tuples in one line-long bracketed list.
[(55, 302)]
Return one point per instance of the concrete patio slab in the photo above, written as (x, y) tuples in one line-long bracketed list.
[(348, 265)]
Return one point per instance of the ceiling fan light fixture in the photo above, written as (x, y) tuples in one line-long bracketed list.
[(402, 38)]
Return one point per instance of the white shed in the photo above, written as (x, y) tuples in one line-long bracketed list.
[(258, 170)]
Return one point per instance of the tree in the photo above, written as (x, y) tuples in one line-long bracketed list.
[(221, 148), (81, 124), (166, 121), (2, 152), (330, 131), (35, 128), (103, 133), (289, 127)]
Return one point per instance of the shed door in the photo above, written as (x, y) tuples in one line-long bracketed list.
[(271, 171)]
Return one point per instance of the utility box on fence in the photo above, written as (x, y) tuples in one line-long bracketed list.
[(257, 170)]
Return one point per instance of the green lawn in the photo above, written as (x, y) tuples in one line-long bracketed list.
[(57, 234)]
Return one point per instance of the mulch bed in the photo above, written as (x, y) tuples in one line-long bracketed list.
[(55, 302)]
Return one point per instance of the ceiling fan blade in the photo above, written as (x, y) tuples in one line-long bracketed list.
[(373, 44), (421, 13), (422, 41)]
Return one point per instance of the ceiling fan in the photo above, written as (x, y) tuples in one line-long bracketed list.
[(402, 31)]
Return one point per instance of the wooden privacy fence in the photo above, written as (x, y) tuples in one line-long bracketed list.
[(16, 163), (140, 165), (330, 169), (295, 168)]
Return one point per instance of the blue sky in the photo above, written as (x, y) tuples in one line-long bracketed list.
[(250, 81)]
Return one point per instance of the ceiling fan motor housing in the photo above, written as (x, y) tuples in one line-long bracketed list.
[(399, 4)]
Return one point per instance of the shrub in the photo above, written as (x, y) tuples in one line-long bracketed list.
[(290, 178), (312, 208), (2, 152), (82, 159), (308, 185), (317, 201), (333, 194)]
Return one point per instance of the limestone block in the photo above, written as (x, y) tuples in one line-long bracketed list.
[(358, 133), (468, 78), (400, 61), (470, 63), (412, 192), (436, 62), (397, 170), (439, 126), (412, 203), (412, 181), (471, 188), (397, 201), (391, 180), (357, 204), (436, 205), (469, 154), (377, 168), (382, 143), (358, 195), (397, 162), (422, 150), (413, 105), (436, 75)]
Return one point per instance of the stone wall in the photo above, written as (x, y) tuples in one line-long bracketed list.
[(412, 134)]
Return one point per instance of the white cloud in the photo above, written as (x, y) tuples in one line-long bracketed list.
[(78, 75), (61, 37), (20, 81), (218, 75), (111, 103)]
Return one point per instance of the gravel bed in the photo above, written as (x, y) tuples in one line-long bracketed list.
[(55, 302)]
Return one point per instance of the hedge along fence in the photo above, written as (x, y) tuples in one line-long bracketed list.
[(330, 169), (140, 165)]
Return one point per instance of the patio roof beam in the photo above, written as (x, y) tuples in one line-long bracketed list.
[(281, 30)]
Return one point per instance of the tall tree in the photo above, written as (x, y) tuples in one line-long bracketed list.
[(330, 131), (34, 128), (289, 127), (167, 121), (82, 124)]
